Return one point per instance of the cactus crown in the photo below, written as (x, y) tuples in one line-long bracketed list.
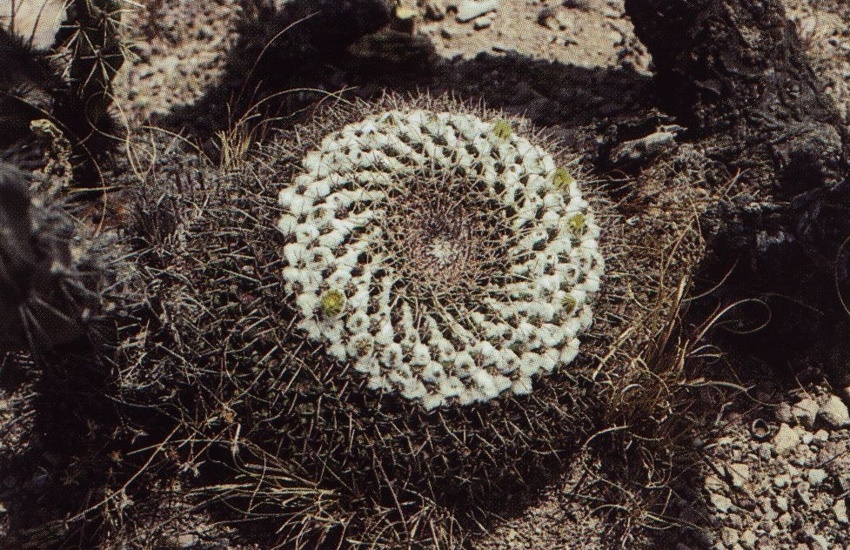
[(444, 256)]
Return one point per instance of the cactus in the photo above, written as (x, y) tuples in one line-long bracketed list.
[(471, 260), (48, 277), (97, 52), (456, 242)]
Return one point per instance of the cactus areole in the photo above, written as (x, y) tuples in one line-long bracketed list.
[(444, 257)]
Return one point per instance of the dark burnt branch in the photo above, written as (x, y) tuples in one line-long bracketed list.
[(734, 72)]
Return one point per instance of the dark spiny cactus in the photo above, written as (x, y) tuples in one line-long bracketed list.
[(46, 279), (97, 52)]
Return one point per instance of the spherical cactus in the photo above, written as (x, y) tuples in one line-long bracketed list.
[(388, 300), (458, 258)]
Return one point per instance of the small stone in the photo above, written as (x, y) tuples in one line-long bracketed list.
[(784, 521), (817, 476), (821, 542), (748, 540), (544, 16), (740, 474), (720, 502), (784, 414), (781, 503), (782, 480), (502, 48), (730, 536), (434, 10), (834, 413), (802, 491), (807, 438), (469, 10), (840, 511), (187, 540), (735, 521), (822, 435), (786, 439), (482, 23), (805, 412), (714, 483), (205, 32)]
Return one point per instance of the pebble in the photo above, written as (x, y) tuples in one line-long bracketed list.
[(805, 412), (434, 10), (785, 439), (713, 483), (469, 10), (782, 480), (781, 503), (834, 413), (187, 540), (840, 511), (722, 503), (482, 23), (740, 474), (748, 539), (802, 491), (784, 414), (821, 542), (730, 536), (817, 476)]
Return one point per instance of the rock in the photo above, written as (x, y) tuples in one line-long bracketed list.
[(834, 413), (786, 439), (545, 15), (469, 9), (782, 480), (807, 438), (840, 511), (822, 435), (747, 540), (720, 502), (784, 521), (663, 139), (730, 536), (821, 542), (435, 10), (784, 414), (482, 23), (187, 540), (817, 476), (781, 503), (805, 412), (803, 494), (713, 483), (740, 474)]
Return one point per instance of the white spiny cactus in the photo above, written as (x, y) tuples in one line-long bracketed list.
[(443, 256)]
